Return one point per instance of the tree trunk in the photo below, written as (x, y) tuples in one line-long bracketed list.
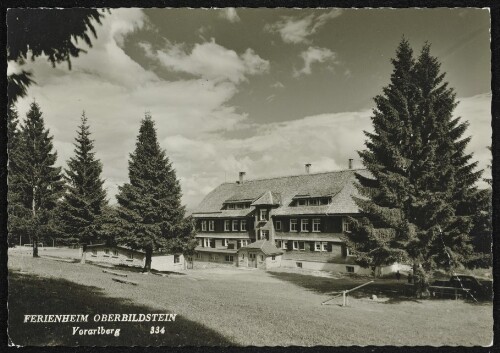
[(34, 226), (147, 262), (421, 282), (84, 253), (35, 246)]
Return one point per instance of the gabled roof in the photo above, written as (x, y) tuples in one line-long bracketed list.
[(338, 184), (104, 245), (266, 246), (268, 198)]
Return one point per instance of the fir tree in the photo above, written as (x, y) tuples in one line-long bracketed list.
[(420, 198), (80, 212), (150, 215), (13, 192), (38, 180)]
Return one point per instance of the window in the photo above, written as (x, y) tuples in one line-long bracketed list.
[(211, 226), (115, 252), (203, 226), (229, 258), (263, 214), (200, 242), (130, 255), (349, 269), (243, 225), (304, 225), (284, 245), (213, 257), (94, 252), (227, 225), (273, 257), (212, 243), (177, 259), (316, 224), (317, 246), (106, 251), (302, 245), (277, 225), (230, 206), (198, 255), (346, 226), (293, 225), (264, 234), (235, 225), (295, 245), (302, 202), (224, 242), (313, 202), (324, 201), (244, 242), (324, 246), (299, 264), (348, 252), (261, 257), (206, 242)]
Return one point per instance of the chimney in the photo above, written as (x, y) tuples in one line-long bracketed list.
[(242, 176), (350, 163), (308, 168)]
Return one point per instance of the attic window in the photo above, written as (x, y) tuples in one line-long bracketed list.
[(302, 202), (230, 206)]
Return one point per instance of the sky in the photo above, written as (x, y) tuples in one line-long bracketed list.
[(257, 90)]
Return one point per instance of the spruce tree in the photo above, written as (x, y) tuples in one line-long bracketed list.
[(419, 201), (13, 192), (38, 181), (149, 213), (80, 212)]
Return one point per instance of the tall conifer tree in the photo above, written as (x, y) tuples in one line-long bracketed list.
[(38, 181), (13, 192), (150, 215), (80, 212), (420, 199)]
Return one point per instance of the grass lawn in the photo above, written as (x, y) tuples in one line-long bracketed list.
[(30, 294), (249, 307)]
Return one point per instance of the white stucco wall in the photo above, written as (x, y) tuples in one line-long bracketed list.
[(166, 263)]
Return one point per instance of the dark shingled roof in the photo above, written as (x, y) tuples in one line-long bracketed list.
[(266, 246), (339, 185), (268, 198)]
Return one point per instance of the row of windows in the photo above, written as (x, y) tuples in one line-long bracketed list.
[(210, 242), (241, 225), (317, 201), (235, 225), (301, 245), (237, 206)]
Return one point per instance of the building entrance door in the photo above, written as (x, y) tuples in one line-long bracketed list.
[(252, 260)]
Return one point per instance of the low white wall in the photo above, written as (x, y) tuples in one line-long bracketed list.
[(166, 263), (323, 266)]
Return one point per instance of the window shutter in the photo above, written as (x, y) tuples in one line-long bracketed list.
[(311, 245)]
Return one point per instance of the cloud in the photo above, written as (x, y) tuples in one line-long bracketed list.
[(209, 60), (314, 55), (194, 115), (297, 30), (115, 91), (230, 14), (278, 84)]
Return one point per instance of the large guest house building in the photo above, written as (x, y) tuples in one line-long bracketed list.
[(292, 221)]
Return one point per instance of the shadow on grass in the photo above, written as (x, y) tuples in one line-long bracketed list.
[(33, 295), (388, 288)]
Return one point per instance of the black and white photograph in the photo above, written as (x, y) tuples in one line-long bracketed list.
[(249, 177)]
